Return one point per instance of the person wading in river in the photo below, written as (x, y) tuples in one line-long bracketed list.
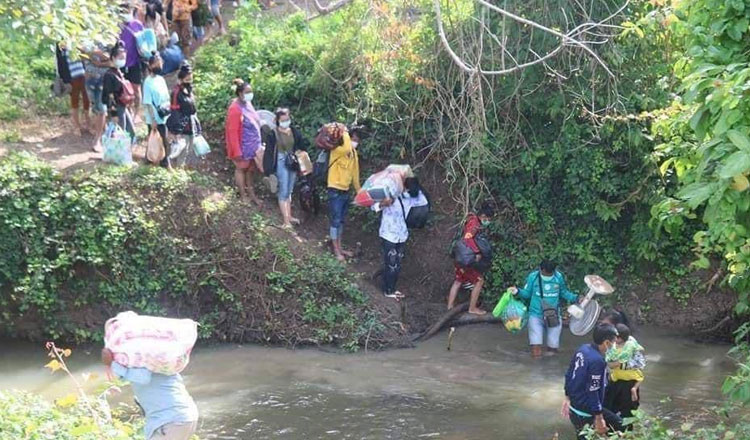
[(170, 412), (585, 385), (543, 289)]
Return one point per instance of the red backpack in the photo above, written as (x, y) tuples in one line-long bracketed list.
[(127, 94)]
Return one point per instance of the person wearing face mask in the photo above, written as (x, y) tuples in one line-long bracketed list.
[(586, 383), (468, 275), (243, 139), (132, 70), (543, 289), (183, 121), (394, 232), (117, 92), (281, 142), (156, 103)]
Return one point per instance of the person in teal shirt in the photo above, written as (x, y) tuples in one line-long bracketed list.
[(554, 288), (156, 103)]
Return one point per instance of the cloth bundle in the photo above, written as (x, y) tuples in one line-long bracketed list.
[(386, 184), (116, 144), (161, 345)]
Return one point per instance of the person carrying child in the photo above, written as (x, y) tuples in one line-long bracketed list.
[(626, 363)]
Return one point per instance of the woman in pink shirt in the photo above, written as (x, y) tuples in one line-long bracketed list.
[(243, 139)]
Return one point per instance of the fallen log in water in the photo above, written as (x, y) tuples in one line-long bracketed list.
[(456, 316)]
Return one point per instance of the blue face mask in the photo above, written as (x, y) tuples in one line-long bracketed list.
[(548, 278)]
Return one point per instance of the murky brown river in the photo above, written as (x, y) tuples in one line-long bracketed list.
[(486, 387)]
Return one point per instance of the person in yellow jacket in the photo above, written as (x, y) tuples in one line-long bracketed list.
[(343, 174)]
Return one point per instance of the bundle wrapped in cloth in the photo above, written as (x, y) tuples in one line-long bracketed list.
[(161, 345), (386, 184)]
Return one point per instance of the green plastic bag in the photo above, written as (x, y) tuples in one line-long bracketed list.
[(512, 312), (498, 310)]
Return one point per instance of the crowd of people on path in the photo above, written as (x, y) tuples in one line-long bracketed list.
[(123, 82)]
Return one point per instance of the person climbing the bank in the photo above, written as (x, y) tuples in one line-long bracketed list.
[(283, 142), (183, 118), (156, 103), (468, 275), (626, 363), (543, 289), (73, 72), (243, 140), (343, 174), (586, 383), (117, 92), (132, 70), (170, 412), (394, 232)]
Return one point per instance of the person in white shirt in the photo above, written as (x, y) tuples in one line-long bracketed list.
[(394, 232)]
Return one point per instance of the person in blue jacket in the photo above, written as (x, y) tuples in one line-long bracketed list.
[(543, 289), (585, 383)]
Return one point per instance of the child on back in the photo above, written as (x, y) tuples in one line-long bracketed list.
[(626, 363)]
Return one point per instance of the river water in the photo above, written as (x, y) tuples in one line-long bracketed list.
[(486, 387)]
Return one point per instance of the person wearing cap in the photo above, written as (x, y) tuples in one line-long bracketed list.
[(586, 384), (543, 289), (183, 121)]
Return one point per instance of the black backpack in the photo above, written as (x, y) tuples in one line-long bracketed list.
[(418, 215)]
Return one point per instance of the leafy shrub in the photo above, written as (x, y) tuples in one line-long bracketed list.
[(78, 251)]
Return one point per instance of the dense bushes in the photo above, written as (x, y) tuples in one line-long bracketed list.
[(78, 251), (26, 74), (572, 186)]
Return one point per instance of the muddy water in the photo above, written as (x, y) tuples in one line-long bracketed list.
[(486, 387)]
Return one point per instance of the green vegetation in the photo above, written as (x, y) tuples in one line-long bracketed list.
[(109, 241), (26, 416), (26, 74), (573, 186)]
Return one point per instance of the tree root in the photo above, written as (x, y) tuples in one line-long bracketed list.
[(456, 316)]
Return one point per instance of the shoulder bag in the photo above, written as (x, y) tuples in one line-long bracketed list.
[(549, 314)]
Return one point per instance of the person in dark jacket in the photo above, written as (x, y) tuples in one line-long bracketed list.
[(281, 141), (183, 121), (114, 89), (585, 385)]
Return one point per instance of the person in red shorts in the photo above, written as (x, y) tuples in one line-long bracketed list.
[(468, 275)]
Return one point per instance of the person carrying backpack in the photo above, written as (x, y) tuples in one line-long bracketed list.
[(73, 73), (132, 70), (117, 91), (467, 275), (544, 288), (394, 232)]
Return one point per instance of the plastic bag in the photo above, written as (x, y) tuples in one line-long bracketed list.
[(161, 345), (116, 144), (512, 312), (200, 146), (155, 152)]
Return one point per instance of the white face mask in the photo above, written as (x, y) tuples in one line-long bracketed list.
[(547, 278), (285, 124), (120, 63), (249, 97), (355, 144)]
